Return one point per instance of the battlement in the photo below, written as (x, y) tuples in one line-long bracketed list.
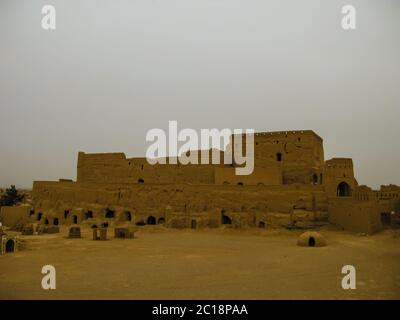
[(102, 156), (339, 163), (286, 134)]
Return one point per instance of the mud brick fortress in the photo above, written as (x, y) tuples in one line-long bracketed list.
[(292, 186)]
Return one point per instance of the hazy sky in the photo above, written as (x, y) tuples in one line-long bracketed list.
[(114, 69)]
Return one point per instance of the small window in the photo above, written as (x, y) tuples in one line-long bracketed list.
[(279, 156), (140, 180), (88, 215), (110, 214), (161, 221)]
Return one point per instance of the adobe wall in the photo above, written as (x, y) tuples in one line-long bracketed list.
[(116, 168), (300, 153), (338, 170), (260, 176), (144, 200), (10, 216), (354, 215), (388, 198)]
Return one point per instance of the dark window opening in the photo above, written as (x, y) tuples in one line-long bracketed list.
[(315, 179), (39, 216), (55, 221), (140, 223), (88, 215), (385, 218), (128, 216), (104, 225), (194, 224), (226, 219), (140, 180), (151, 220), (121, 234), (31, 212), (110, 214), (10, 245), (343, 190), (66, 213), (279, 156), (161, 221), (261, 224), (240, 183), (74, 219), (46, 221), (93, 226)]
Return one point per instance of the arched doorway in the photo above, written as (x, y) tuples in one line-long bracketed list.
[(161, 221), (311, 242), (343, 190), (151, 220), (10, 245), (225, 219)]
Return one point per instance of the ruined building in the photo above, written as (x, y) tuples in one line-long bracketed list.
[(292, 185)]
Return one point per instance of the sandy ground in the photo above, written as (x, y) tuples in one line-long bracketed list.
[(203, 264)]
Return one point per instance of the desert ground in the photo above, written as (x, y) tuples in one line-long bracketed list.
[(163, 263)]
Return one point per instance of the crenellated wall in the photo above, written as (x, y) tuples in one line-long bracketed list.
[(291, 185)]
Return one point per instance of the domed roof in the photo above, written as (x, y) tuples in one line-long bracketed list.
[(311, 239)]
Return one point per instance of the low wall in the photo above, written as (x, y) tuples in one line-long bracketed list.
[(355, 216)]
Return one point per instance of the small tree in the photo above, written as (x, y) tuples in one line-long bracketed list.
[(11, 197)]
